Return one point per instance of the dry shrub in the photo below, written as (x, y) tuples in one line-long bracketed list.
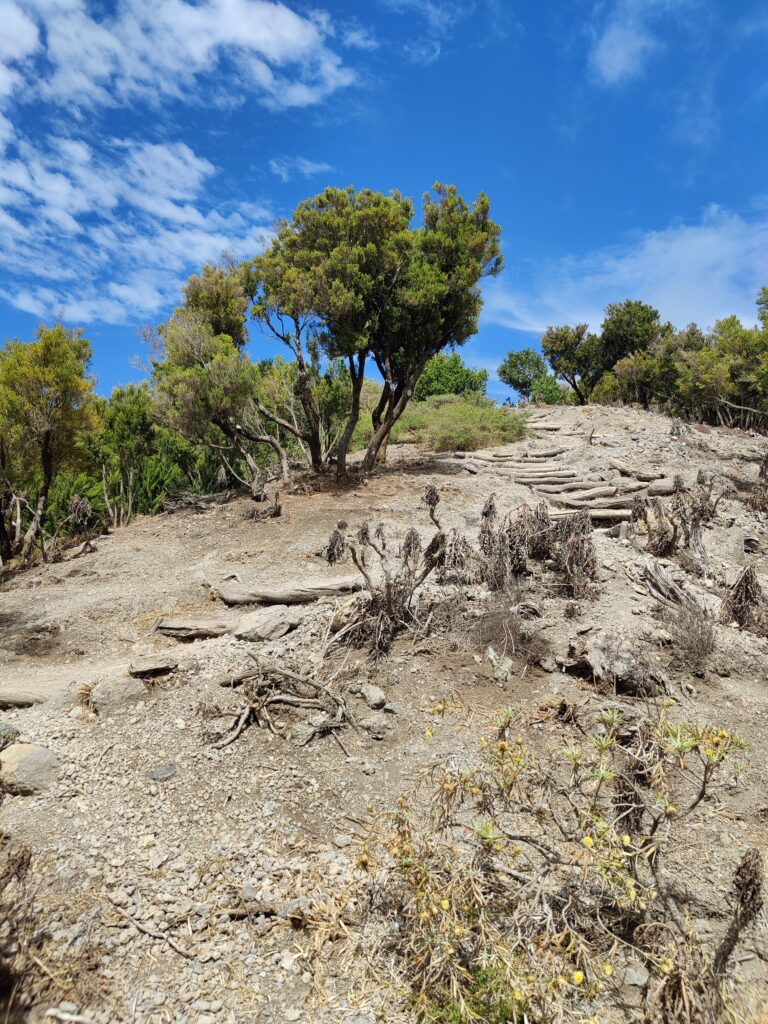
[(745, 604), (531, 881), (693, 636), (512, 633)]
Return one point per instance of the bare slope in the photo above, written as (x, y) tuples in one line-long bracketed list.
[(179, 879)]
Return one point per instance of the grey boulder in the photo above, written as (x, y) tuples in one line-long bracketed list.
[(27, 768), (269, 623), (117, 694)]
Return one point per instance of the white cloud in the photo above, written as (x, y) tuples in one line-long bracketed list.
[(702, 272), (75, 224), (628, 38), (360, 39), (440, 18), (155, 49), (287, 167)]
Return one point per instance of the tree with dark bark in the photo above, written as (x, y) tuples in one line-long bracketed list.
[(436, 301), (331, 275)]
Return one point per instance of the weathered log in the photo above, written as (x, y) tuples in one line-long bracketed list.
[(459, 464), (567, 485), (595, 513), (661, 487), (604, 503), (630, 486), (637, 473), (298, 593), (594, 492), (192, 628), (19, 699)]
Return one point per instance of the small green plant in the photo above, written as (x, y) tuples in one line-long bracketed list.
[(531, 879)]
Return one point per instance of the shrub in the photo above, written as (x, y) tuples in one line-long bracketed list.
[(547, 390), (529, 881), (458, 423), (448, 375)]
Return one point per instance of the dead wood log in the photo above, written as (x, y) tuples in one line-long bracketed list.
[(459, 464), (567, 485), (638, 474), (595, 513), (191, 629), (663, 588), (629, 486), (19, 699), (660, 488), (232, 593), (594, 492), (597, 503), (543, 426)]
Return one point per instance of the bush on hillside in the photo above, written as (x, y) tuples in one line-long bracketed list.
[(449, 375), (458, 423)]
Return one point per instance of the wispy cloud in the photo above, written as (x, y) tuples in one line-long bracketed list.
[(627, 38), (154, 49), (438, 20), (75, 223), (288, 167), (702, 271)]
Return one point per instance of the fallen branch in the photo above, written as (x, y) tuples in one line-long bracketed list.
[(633, 471), (298, 593), (18, 699), (153, 933)]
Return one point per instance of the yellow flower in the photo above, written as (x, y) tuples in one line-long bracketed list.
[(428, 734), (588, 841), (445, 904), (626, 840), (577, 977), (607, 970)]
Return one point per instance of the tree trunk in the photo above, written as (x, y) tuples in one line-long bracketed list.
[(312, 413), (46, 461), (396, 406), (5, 538), (110, 510), (34, 526), (358, 375)]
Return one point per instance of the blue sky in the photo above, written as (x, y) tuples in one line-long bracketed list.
[(623, 144)]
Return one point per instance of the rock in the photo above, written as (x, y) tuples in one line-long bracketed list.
[(119, 693), (344, 614), (377, 725), (18, 699), (152, 665), (635, 976), (8, 734), (342, 842), (615, 657), (27, 768), (192, 628), (164, 773), (269, 623), (292, 1014), (373, 696), (548, 664)]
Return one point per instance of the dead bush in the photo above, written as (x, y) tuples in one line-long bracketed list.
[(693, 637), (745, 604), (512, 632)]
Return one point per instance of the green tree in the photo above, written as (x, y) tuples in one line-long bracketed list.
[(436, 300), (124, 437), (521, 369), (335, 267), (629, 326), (449, 375), (46, 403), (574, 355), (207, 390), (221, 295)]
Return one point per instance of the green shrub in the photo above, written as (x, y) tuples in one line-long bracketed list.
[(548, 390), (448, 375), (458, 423)]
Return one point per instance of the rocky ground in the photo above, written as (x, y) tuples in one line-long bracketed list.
[(176, 879)]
